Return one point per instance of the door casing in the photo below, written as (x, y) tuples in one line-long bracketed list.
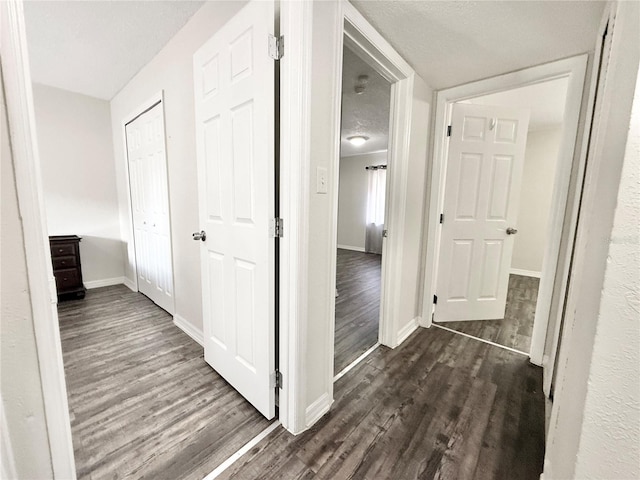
[(554, 268)]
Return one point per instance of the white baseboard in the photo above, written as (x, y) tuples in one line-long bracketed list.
[(317, 409), (525, 273), (129, 284), (351, 247), (407, 330), (195, 333), (105, 282)]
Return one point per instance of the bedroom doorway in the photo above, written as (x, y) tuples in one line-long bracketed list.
[(364, 138)]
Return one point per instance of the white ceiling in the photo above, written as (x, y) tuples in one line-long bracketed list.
[(449, 43), (96, 47), (545, 101), (365, 114)]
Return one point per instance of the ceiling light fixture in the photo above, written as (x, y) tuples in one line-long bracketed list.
[(358, 140)]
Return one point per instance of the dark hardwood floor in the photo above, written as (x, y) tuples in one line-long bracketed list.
[(441, 406), (516, 328), (143, 402), (357, 305)]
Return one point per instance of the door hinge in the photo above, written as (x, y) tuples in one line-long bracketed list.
[(448, 130), (385, 233), (442, 218), (276, 379), (276, 46), (435, 299), (276, 229)]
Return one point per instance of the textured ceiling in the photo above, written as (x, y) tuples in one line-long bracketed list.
[(449, 43), (546, 102), (365, 114), (96, 47)]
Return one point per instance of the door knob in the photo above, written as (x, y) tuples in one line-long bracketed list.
[(201, 235), (511, 231)]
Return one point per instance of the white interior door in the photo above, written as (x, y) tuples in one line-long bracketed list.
[(481, 196), (234, 105), (150, 206)]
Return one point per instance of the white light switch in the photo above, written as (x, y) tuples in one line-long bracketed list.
[(321, 180)]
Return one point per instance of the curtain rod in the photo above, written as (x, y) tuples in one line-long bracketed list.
[(376, 167)]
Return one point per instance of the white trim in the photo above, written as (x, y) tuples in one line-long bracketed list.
[(188, 328), (317, 409), (129, 284), (244, 449), (525, 273), (22, 128), (296, 22), (355, 363), (351, 247), (489, 342), (408, 329), (574, 69), (372, 48), (105, 282)]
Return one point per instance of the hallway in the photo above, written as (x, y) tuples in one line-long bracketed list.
[(143, 402), (440, 406)]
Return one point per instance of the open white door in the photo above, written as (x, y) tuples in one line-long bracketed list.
[(234, 106), (150, 206), (481, 197)]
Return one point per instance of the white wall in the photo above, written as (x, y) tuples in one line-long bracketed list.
[(593, 431), (171, 70), (540, 160), (610, 437), (78, 177), (22, 399), (352, 198)]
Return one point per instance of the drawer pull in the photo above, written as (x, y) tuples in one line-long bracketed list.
[(60, 250)]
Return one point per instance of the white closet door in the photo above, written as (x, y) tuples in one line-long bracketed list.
[(234, 104), (482, 193), (150, 205)]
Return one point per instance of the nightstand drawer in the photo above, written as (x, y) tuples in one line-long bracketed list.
[(60, 263), (63, 249), (66, 279)]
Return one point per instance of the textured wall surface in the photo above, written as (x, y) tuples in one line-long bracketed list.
[(610, 441), (20, 384)]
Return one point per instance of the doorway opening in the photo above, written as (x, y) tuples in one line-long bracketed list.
[(514, 205), (364, 138)]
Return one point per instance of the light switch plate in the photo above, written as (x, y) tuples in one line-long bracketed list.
[(321, 180)]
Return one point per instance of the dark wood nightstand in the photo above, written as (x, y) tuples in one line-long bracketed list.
[(65, 256)]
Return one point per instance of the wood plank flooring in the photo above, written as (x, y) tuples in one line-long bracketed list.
[(516, 328), (441, 406), (357, 305), (143, 402)]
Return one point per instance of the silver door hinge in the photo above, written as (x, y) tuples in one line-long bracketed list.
[(276, 379), (448, 130), (276, 229), (276, 46)]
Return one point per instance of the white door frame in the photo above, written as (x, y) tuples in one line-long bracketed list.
[(574, 70), (296, 21), (158, 97), (42, 287), (374, 50)]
